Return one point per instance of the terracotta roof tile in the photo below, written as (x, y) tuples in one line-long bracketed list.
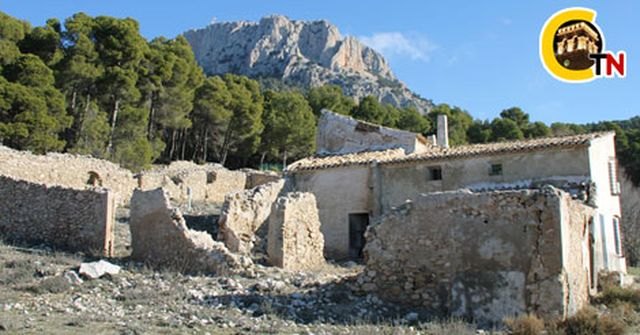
[(360, 158), (393, 156)]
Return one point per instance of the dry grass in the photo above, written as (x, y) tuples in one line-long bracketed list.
[(527, 324), (613, 295), (589, 322)]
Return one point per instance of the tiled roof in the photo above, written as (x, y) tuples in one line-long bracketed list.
[(360, 158), (397, 155)]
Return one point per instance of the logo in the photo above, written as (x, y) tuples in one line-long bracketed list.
[(572, 48)]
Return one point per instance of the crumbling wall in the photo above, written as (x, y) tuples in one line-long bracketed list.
[(295, 241), (340, 134), (160, 238), (65, 218), (256, 178), (483, 256), (71, 171), (221, 182), (579, 283), (206, 183), (243, 222)]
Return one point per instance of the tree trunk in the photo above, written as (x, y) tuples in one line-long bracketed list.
[(225, 146), (152, 112), (284, 160), (204, 144), (173, 144), (114, 118), (262, 157), (185, 132)]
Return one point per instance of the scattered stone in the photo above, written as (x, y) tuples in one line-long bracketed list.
[(95, 270), (73, 277)]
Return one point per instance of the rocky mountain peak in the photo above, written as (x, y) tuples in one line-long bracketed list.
[(301, 53)]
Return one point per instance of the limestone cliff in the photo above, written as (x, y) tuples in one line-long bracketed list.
[(301, 53)]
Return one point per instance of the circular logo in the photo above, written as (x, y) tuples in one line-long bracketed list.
[(566, 41)]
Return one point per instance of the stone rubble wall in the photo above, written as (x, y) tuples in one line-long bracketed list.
[(208, 183), (243, 223), (256, 178), (66, 170), (340, 134), (65, 218), (160, 238), (482, 255), (294, 240)]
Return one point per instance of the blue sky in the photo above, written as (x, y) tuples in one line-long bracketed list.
[(479, 55)]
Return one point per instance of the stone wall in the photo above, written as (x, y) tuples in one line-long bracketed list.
[(64, 218), (295, 241), (71, 171), (256, 178), (243, 222), (160, 238), (340, 134), (483, 256), (207, 183)]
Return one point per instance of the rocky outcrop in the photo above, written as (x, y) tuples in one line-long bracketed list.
[(295, 241), (302, 53), (244, 218), (160, 238)]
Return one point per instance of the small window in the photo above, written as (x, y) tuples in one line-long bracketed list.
[(616, 235), (613, 177), (495, 170), (435, 173)]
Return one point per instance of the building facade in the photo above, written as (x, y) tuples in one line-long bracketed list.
[(357, 188)]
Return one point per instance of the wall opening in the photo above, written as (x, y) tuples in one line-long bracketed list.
[(435, 173), (211, 177), (616, 235), (358, 223), (495, 170)]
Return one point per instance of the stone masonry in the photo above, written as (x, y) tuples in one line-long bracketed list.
[(160, 238), (64, 218), (295, 241), (256, 178), (207, 183), (243, 222), (69, 171), (483, 256)]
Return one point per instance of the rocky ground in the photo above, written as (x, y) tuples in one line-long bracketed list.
[(38, 295)]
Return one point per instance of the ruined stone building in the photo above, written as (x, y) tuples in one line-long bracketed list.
[(356, 188)]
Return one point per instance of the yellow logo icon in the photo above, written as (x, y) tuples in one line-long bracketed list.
[(572, 48)]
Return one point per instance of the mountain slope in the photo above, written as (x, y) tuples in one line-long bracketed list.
[(301, 53)]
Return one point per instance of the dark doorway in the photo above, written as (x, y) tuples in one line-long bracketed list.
[(357, 226)]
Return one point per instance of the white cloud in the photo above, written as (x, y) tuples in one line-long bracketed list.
[(398, 44)]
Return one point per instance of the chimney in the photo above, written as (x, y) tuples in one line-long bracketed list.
[(443, 131)]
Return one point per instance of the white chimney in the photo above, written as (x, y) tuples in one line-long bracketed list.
[(443, 131)]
